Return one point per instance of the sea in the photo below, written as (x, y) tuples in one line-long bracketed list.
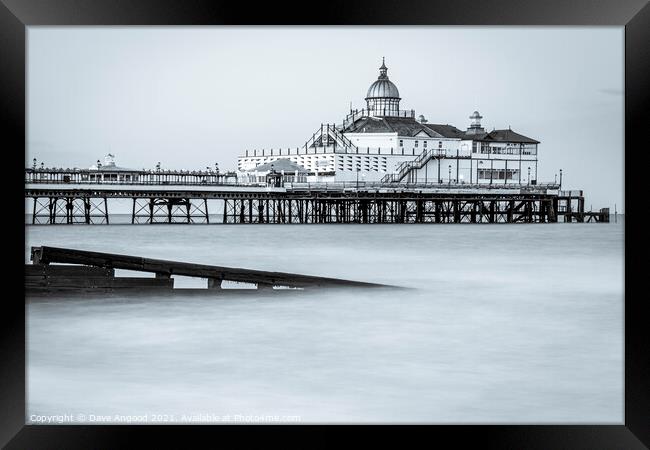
[(501, 323)]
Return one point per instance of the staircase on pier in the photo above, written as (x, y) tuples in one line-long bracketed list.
[(329, 136), (407, 167)]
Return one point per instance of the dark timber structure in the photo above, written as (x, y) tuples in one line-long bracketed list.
[(79, 269), (381, 204)]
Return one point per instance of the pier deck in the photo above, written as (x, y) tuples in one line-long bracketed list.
[(307, 204)]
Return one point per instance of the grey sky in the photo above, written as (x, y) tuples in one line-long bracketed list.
[(190, 97)]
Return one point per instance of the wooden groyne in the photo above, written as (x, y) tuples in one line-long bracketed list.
[(56, 268), (54, 277)]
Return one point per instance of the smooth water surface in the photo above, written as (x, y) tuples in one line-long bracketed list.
[(507, 323)]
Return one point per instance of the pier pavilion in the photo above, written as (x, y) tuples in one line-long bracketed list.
[(382, 142)]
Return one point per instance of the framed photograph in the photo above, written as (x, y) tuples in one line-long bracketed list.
[(381, 214)]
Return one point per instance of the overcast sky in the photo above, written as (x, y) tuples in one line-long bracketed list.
[(192, 96)]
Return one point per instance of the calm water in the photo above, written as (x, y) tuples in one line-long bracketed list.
[(507, 323)]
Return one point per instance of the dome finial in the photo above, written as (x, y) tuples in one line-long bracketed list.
[(383, 69)]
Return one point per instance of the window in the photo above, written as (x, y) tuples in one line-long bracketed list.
[(439, 144), (529, 149), (425, 144), (498, 174), (416, 143), (401, 142)]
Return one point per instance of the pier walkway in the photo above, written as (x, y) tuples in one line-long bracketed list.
[(66, 196), (306, 205)]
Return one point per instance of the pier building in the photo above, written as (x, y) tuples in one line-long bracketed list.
[(382, 142), (109, 172), (282, 168)]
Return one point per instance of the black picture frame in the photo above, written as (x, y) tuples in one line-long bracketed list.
[(16, 15)]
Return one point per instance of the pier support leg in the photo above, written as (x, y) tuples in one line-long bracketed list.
[(52, 207), (34, 211), (214, 283), (552, 212), (541, 211), (68, 210), (581, 209), (86, 204)]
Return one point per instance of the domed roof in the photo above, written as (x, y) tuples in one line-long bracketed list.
[(383, 87)]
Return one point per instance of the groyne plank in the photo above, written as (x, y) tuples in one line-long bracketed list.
[(45, 255)]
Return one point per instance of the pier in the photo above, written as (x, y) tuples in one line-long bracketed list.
[(56, 268), (310, 205), (67, 196), (379, 165), (305, 203)]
